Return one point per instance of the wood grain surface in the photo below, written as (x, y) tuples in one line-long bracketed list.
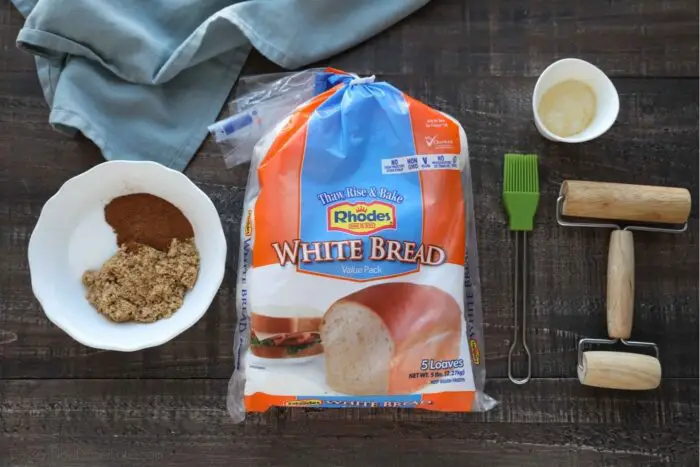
[(65, 404), (554, 422)]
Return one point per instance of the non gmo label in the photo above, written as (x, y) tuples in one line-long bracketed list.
[(418, 163)]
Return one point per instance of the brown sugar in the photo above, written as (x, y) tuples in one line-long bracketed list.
[(141, 283), (147, 219)]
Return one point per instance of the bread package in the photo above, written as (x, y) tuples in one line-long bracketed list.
[(357, 277)]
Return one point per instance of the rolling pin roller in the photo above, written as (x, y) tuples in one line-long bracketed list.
[(624, 203)]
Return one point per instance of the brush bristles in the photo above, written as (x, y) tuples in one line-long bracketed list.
[(520, 173)]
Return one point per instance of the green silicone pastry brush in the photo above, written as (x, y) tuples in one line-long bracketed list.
[(521, 194)]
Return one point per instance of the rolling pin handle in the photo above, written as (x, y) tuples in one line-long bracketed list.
[(620, 284), (620, 306)]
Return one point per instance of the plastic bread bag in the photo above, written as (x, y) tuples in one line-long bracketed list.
[(262, 101), (358, 283)]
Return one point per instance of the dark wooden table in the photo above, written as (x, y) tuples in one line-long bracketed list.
[(65, 404)]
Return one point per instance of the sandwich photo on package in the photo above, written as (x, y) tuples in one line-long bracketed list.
[(358, 283)]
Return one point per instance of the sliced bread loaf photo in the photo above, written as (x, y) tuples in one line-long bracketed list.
[(376, 338)]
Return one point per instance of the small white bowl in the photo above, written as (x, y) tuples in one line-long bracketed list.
[(72, 236), (607, 99)]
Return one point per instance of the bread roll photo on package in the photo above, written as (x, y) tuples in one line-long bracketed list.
[(358, 283)]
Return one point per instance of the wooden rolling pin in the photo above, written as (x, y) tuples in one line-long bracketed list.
[(622, 202), (619, 370), (638, 203)]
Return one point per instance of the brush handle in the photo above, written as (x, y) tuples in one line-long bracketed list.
[(619, 370), (639, 203), (620, 284)]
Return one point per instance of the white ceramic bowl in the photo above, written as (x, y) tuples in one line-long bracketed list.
[(607, 99), (72, 236)]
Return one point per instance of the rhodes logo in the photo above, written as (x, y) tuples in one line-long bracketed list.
[(361, 218)]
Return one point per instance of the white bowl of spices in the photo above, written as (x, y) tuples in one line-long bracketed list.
[(127, 255), (574, 102)]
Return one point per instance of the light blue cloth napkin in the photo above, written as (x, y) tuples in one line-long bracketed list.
[(143, 79)]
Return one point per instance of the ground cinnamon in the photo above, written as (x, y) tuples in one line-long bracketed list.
[(147, 219)]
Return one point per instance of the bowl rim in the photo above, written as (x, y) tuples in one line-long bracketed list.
[(158, 338)]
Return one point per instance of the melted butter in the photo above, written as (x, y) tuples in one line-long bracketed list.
[(567, 108)]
